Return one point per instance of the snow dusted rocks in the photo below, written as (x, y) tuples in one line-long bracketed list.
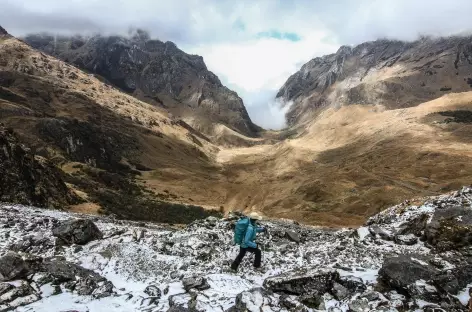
[(12, 266), (77, 232), (303, 281), (148, 267)]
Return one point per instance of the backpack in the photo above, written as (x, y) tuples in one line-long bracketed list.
[(240, 230)]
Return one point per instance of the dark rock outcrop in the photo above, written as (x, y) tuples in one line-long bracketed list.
[(303, 282), (12, 266), (450, 228), (154, 71), (392, 73), (198, 283), (403, 271), (29, 179), (77, 232)]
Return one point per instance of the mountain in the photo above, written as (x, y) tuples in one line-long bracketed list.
[(88, 139), (156, 72), (407, 258), (387, 73)]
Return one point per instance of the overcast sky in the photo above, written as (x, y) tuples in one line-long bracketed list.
[(252, 45)]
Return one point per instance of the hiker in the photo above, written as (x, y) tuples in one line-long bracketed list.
[(245, 234)]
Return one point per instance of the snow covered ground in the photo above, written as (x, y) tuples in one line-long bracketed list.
[(136, 255)]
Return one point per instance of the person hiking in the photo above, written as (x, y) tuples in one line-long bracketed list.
[(246, 239)]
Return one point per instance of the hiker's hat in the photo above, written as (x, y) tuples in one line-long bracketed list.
[(254, 215)]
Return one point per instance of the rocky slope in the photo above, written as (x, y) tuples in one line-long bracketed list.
[(407, 258), (393, 74), (101, 139), (29, 179), (156, 72)]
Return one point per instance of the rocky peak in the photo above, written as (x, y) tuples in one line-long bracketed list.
[(3, 31), (391, 73), (156, 72)]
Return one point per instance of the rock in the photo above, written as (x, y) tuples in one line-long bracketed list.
[(79, 231), (28, 179), (253, 300), (153, 291), (340, 292), (371, 295), (401, 271), (454, 280), (415, 226), (376, 231), (359, 305), (353, 283), (409, 239), (450, 228), (19, 296), (12, 266), (303, 281), (198, 283), (83, 281), (293, 236), (5, 287)]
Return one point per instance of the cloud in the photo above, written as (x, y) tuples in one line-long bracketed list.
[(254, 46)]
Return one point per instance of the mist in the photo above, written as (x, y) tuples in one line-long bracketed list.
[(244, 42)]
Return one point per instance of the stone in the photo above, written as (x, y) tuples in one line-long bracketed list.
[(359, 305), (377, 231), (153, 291), (253, 300), (371, 295), (340, 292), (401, 271), (409, 239), (78, 232), (293, 236), (450, 228), (303, 281), (12, 266), (198, 283), (352, 283)]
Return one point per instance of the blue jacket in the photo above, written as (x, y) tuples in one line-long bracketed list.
[(250, 236)]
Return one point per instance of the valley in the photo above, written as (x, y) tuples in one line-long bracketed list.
[(338, 163)]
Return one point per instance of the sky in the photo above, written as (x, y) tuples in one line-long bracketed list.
[(252, 45)]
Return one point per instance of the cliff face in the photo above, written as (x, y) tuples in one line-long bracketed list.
[(394, 74), (157, 72), (29, 179)]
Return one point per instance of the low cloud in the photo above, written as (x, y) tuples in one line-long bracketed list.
[(253, 46)]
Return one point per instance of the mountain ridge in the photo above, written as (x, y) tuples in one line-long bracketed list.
[(156, 72), (391, 73)]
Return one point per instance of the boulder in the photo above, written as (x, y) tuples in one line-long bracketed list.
[(253, 300), (12, 266), (79, 231), (352, 283), (303, 281), (415, 226), (153, 291), (450, 228), (359, 305), (83, 281), (340, 292), (408, 239), (18, 296), (293, 236), (377, 231), (404, 270), (198, 283)]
